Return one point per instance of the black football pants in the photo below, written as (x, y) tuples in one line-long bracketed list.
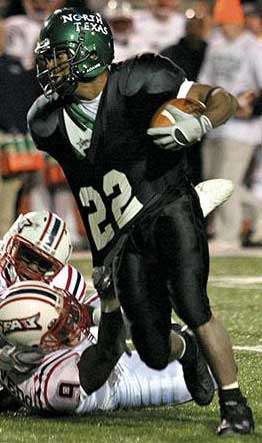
[(164, 263)]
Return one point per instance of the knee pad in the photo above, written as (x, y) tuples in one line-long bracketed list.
[(155, 360), (153, 349)]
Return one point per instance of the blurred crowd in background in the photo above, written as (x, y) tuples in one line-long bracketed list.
[(215, 42)]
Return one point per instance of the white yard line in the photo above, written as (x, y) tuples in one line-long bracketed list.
[(241, 252), (244, 280), (257, 349), (235, 281)]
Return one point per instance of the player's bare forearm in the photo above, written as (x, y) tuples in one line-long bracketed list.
[(220, 104), (98, 361)]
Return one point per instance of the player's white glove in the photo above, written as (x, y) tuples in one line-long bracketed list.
[(21, 359), (187, 130)]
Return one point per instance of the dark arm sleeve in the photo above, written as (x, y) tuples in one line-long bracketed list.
[(153, 74), (97, 362), (43, 122), (152, 79)]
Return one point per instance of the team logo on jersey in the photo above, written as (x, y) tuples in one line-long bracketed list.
[(20, 324), (80, 139)]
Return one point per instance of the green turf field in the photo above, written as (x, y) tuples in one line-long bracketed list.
[(235, 290)]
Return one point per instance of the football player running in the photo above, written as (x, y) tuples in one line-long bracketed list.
[(142, 216), (57, 343)]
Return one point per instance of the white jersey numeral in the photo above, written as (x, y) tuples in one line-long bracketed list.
[(124, 207)]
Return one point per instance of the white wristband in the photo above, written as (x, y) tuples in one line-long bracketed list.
[(206, 124)]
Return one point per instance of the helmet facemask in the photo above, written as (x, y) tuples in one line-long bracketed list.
[(78, 61), (85, 41), (67, 329), (30, 262), (7, 269), (50, 78), (36, 247)]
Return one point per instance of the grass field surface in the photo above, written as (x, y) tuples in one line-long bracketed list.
[(235, 291)]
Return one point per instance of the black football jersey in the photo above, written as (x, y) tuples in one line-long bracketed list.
[(122, 174)]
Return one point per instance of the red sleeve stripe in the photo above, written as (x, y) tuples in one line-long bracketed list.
[(41, 375), (77, 283), (93, 297), (69, 277)]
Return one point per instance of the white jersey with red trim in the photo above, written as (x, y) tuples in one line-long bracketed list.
[(55, 385), (72, 280), (68, 278)]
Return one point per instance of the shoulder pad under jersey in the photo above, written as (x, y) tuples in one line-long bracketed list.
[(149, 72)]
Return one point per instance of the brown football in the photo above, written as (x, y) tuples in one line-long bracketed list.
[(163, 117)]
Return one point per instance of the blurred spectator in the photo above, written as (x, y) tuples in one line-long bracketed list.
[(158, 25), (22, 29), (151, 28), (41, 190), (189, 54), (234, 61), (190, 50), (18, 157), (252, 232), (119, 15), (4, 5), (81, 3), (253, 18)]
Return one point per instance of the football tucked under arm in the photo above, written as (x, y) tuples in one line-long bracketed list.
[(182, 122), (179, 123)]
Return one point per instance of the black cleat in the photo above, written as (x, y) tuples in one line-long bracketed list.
[(198, 379), (236, 418)]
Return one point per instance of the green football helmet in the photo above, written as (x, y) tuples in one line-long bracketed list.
[(84, 41)]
